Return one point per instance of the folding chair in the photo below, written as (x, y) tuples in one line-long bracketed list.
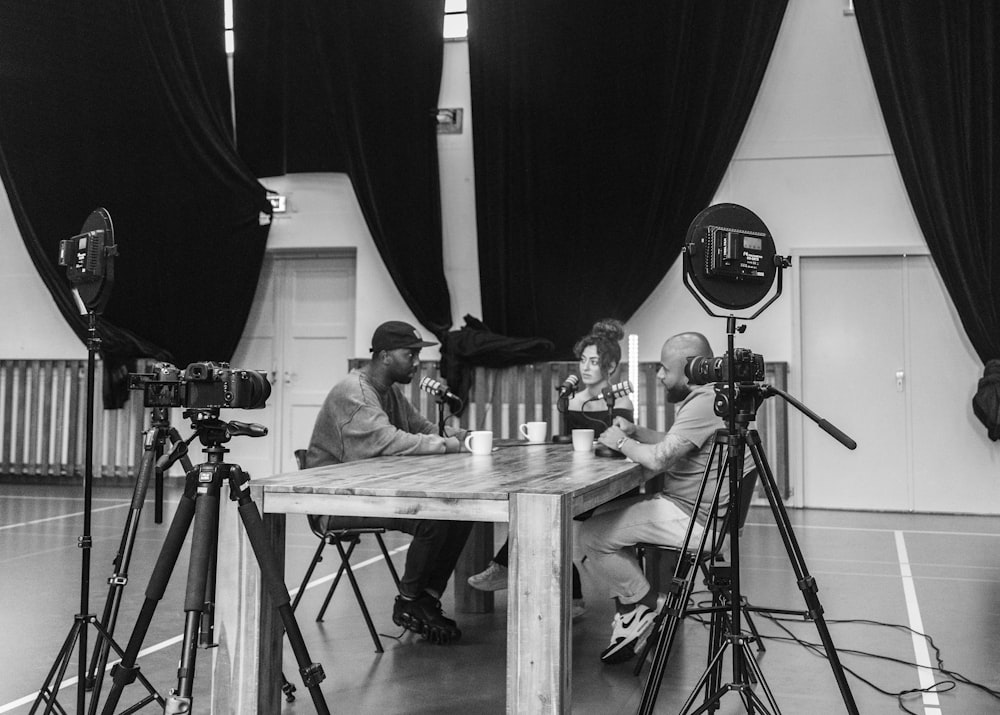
[(707, 562), (338, 538)]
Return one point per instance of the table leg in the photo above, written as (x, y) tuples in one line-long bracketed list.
[(478, 552), (539, 657), (256, 668)]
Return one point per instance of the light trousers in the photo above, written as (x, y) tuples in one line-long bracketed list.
[(608, 536)]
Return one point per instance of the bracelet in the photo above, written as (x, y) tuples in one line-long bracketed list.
[(621, 442)]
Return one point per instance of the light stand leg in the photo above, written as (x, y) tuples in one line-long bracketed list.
[(78, 632)]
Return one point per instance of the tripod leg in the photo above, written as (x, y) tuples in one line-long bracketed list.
[(806, 583), (125, 672), (312, 673), (203, 543)]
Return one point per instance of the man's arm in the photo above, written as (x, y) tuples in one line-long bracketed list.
[(654, 450)]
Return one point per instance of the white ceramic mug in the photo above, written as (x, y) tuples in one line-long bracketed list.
[(480, 441), (583, 440), (534, 431)]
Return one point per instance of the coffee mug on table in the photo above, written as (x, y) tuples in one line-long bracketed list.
[(583, 440), (479, 442), (534, 431)]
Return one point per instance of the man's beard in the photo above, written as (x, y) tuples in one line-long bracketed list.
[(678, 393)]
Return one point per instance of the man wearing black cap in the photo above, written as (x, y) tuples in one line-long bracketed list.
[(366, 415)]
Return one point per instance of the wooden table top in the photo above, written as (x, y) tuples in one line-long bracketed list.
[(513, 467)]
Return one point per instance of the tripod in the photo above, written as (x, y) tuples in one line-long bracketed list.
[(153, 461), (726, 632), (200, 505)]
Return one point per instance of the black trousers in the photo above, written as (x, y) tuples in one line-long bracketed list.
[(432, 555)]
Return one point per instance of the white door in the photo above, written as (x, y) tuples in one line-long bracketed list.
[(853, 374), (300, 329), (318, 340), (885, 358)]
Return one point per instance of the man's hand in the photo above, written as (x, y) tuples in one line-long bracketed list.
[(627, 428), (452, 444), (614, 433)]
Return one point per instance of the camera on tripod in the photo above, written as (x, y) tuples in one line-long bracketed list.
[(202, 385), (747, 366)]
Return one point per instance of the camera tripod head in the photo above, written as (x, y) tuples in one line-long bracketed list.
[(214, 432), (744, 399)]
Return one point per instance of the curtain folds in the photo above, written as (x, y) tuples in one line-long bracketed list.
[(935, 68), (372, 81), (125, 105), (601, 130)]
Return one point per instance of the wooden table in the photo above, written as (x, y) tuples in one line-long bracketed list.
[(536, 488)]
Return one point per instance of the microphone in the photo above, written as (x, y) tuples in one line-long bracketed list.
[(440, 390), (613, 392), (568, 388)]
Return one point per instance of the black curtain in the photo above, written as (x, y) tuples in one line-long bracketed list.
[(355, 84), (284, 111), (935, 68), (601, 130), (125, 105)]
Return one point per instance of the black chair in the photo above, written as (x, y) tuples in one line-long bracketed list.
[(707, 562), (339, 538)]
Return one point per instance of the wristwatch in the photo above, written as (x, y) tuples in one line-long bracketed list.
[(621, 442)]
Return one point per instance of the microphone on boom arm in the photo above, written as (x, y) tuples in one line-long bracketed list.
[(568, 388), (438, 389), (613, 392)]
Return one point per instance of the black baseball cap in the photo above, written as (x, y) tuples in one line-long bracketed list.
[(396, 334)]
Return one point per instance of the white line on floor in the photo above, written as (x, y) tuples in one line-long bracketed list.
[(920, 652), (177, 639), (930, 532), (63, 516)]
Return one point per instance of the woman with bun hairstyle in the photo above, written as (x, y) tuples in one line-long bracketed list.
[(598, 354)]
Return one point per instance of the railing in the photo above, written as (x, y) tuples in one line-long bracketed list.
[(501, 399)]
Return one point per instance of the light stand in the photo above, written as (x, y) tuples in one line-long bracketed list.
[(735, 268), (88, 258)]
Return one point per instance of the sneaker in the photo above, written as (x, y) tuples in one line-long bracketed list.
[(626, 629), (493, 578), (640, 643), (579, 608), (423, 615)]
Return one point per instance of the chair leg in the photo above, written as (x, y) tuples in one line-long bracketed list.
[(317, 557), (344, 559), (388, 560), (346, 565)]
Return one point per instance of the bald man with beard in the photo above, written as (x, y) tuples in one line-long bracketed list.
[(682, 454)]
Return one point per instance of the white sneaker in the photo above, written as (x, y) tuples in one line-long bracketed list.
[(640, 642), (493, 578), (626, 629)]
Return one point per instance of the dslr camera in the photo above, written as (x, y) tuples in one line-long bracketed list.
[(747, 366), (202, 385)]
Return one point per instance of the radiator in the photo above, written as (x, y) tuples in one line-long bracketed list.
[(44, 404)]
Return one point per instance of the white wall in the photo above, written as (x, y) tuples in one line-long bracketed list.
[(33, 328)]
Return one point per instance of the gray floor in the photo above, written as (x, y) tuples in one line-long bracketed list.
[(941, 571)]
